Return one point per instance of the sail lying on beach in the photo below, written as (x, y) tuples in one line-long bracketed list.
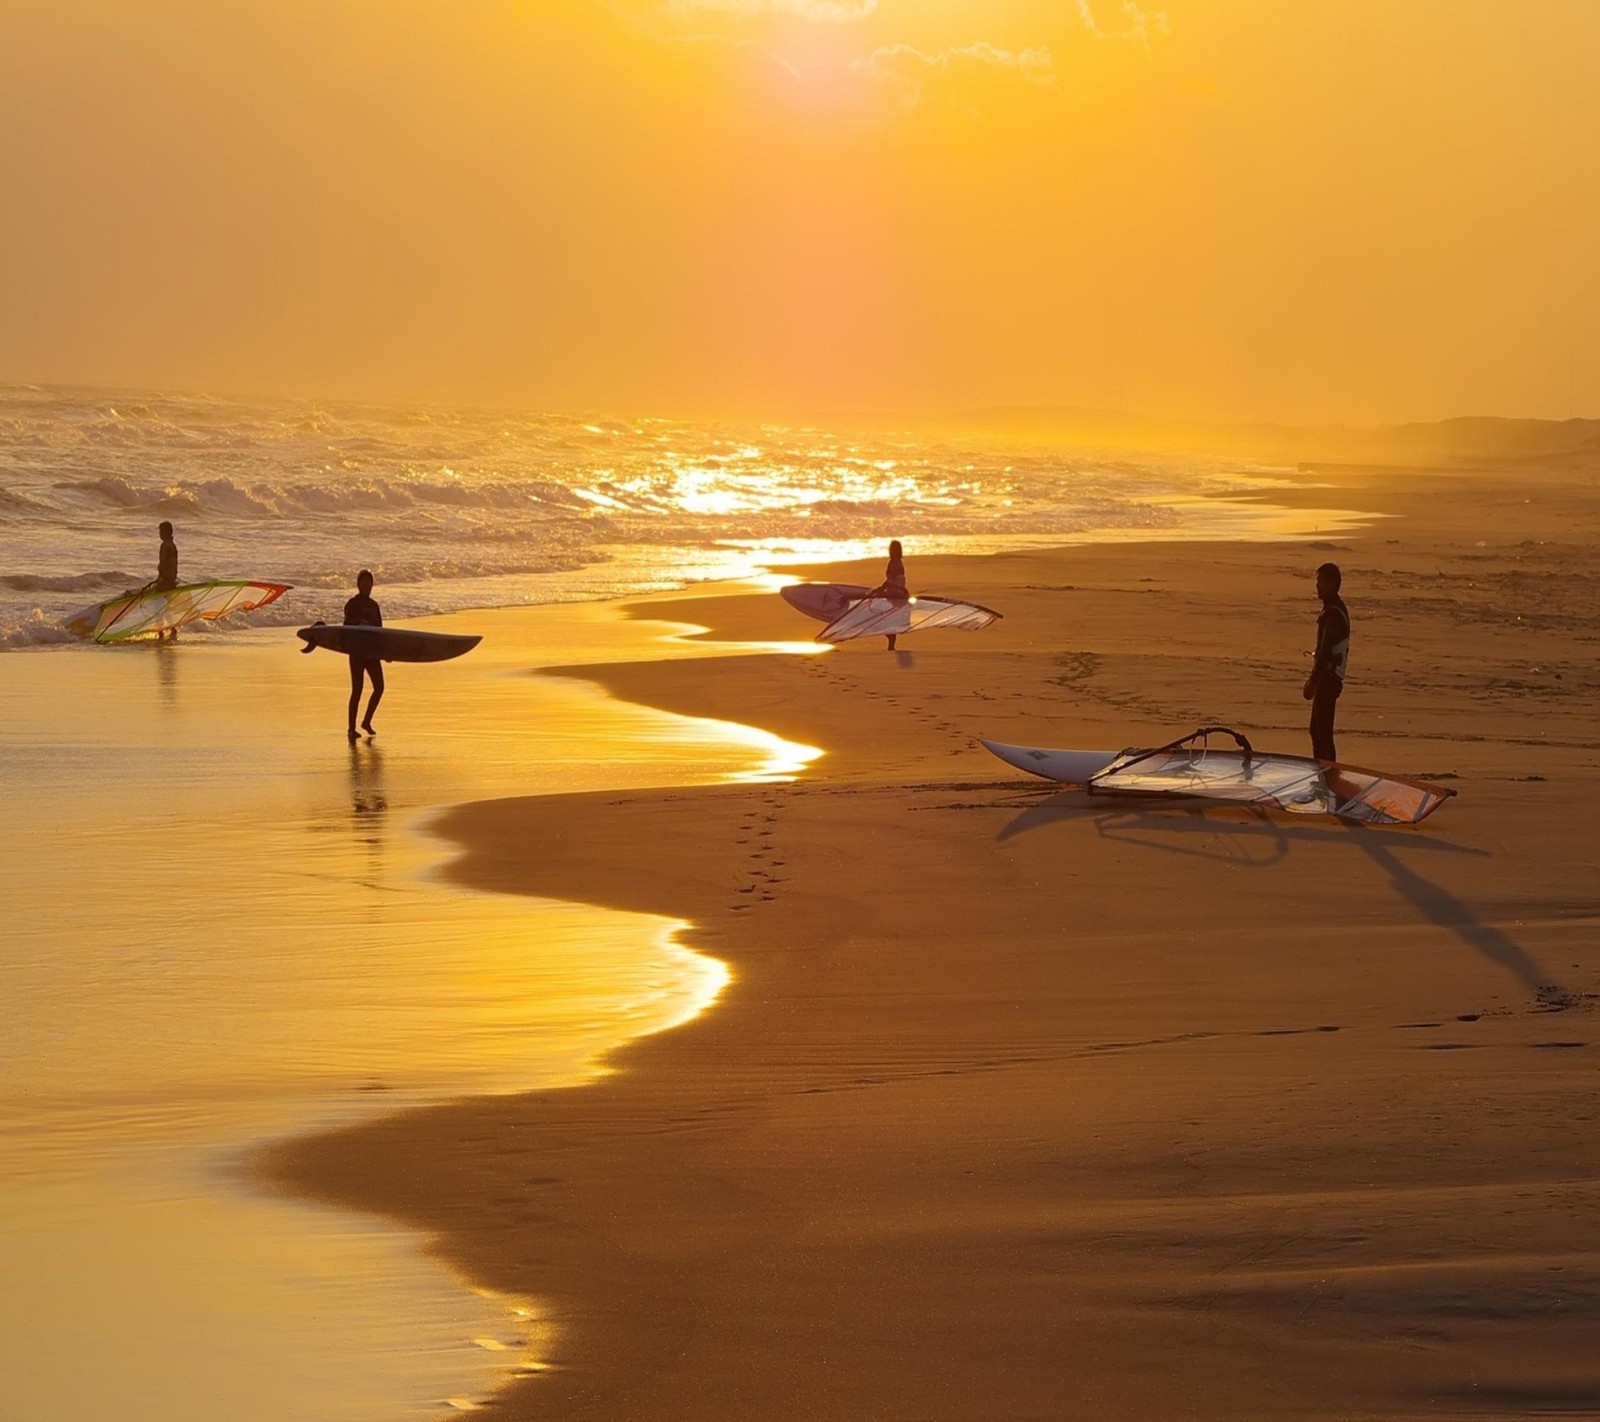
[(149, 611), (1189, 767), (881, 616)]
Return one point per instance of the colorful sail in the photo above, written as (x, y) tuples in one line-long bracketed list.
[(882, 616), (149, 611)]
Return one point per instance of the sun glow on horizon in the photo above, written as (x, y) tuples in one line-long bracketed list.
[(1224, 209)]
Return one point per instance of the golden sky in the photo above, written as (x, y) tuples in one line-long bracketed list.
[(1354, 210)]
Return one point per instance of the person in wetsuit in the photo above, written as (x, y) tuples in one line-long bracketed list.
[(893, 585), (166, 571), (362, 611), (1330, 662), (167, 560)]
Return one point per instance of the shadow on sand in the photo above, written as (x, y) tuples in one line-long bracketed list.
[(1256, 839)]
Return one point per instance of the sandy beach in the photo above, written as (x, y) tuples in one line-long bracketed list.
[(661, 1016), (1025, 1104)]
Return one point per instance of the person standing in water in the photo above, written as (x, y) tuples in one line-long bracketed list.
[(893, 585), (1330, 662), (166, 561), (166, 571), (363, 611)]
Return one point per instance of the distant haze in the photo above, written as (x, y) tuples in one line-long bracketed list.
[(1290, 210)]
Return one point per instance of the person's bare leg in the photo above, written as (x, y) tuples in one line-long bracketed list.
[(357, 670), (375, 671)]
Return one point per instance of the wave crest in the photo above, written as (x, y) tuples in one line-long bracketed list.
[(70, 582)]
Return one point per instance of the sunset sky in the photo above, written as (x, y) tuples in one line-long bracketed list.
[(1355, 210)]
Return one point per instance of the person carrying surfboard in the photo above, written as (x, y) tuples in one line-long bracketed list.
[(1330, 662), (363, 611), (893, 585)]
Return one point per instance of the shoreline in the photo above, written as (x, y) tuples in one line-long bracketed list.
[(1004, 1077), (272, 952)]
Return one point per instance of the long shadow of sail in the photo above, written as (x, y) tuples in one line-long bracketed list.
[(1255, 839), (1442, 907)]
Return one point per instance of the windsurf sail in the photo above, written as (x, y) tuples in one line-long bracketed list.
[(1191, 767), (881, 616), (147, 611)]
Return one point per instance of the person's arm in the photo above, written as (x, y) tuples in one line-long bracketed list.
[(1318, 656), (882, 590)]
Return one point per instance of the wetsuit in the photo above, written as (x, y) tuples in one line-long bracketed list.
[(893, 586), (167, 567), (363, 611), (1329, 666)]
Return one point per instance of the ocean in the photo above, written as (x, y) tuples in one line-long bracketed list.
[(456, 509)]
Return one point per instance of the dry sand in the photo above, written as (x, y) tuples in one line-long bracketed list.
[(1025, 1105)]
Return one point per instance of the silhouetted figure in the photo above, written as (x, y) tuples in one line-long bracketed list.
[(893, 585), (1330, 662), (166, 571), (167, 560), (362, 611)]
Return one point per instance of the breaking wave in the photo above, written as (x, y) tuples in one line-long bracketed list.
[(70, 582)]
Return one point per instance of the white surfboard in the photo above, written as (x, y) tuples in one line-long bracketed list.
[(1070, 767)]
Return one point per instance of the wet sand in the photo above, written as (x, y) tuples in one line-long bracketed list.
[(1026, 1105), (219, 925)]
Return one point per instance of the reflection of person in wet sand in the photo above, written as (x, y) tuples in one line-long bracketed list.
[(363, 611), (166, 571), (893, 585), (367, 795)]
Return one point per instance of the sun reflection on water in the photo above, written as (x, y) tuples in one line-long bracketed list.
[(785, 760)]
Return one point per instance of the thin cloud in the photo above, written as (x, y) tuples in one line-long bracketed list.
[(910, 67), (1138, 24)]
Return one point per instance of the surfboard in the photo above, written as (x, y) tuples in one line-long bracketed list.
[(823, 601), (1070, 767), (389, 644)]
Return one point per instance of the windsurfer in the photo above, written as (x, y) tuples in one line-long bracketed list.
[(893, 585), (363, 611), (1330, 662), (166, 571)]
